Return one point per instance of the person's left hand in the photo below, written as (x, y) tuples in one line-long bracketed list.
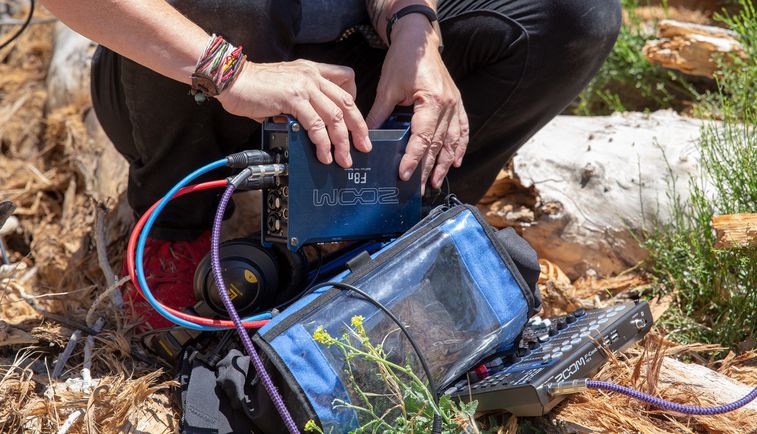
[(414, 74)]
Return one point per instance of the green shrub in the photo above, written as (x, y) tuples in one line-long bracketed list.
[(716, 290), (627, 81)]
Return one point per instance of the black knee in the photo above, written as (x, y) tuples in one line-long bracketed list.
[(586, 29)]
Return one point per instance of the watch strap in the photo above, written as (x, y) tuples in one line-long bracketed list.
[(413, 9)]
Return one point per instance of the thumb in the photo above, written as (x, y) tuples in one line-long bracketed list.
[(382, 108)]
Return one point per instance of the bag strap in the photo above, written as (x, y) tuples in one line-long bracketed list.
[(200, 402)]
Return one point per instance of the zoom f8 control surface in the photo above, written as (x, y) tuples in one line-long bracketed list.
[(552, 350)]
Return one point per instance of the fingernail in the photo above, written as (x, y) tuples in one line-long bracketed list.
[(328, 159), (349, 160), (368, 144), (406, 175)]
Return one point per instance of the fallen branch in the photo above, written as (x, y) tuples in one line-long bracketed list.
[(89, 345), (735, 230), (90, 318), (66, 354), (692, 48), (68, 322), (70, 420), (102, 257)]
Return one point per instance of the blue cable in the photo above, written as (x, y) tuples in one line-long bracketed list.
[(141, 248)]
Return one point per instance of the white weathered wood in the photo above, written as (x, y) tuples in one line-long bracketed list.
[(707, 383), (598, 178)]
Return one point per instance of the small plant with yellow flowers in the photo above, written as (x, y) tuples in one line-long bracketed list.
[(401, 401)]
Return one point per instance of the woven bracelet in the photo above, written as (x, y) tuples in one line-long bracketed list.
[(216, 68)]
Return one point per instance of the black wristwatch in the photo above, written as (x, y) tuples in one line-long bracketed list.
[(415, 9)]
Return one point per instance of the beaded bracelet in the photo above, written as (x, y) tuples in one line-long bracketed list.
[(216, 68)]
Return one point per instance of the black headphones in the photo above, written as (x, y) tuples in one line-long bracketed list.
[(257, 278)]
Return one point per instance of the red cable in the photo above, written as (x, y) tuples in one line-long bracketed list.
[(131, 255)]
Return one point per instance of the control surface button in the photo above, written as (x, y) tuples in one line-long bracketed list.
[(594, 327), (579, 312), (575, 341), (570, 318), (602, 321)]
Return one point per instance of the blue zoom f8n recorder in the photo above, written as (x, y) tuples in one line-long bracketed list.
[(324, 203)]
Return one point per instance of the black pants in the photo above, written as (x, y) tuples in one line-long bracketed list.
[(517, 63)]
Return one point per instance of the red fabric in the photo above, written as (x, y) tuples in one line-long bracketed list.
[(169, 269)]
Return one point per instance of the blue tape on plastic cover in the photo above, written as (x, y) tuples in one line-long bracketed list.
[(486, 267), (317, 378)]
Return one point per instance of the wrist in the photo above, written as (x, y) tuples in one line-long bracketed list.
[(414, 30), (407, 20)]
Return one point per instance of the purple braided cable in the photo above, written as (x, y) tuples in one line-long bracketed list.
[(672, 406), (256, 361)]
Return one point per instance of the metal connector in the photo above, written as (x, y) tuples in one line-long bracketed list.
[(567, 387), (259, 177), (267, 169)]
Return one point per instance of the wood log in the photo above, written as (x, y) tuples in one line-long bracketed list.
[(598, 179), (692, 48), (735, 230), (686, 383)]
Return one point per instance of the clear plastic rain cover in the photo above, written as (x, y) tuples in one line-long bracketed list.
[(456, 292)]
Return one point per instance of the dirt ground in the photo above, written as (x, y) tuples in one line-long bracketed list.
[(112, 386)]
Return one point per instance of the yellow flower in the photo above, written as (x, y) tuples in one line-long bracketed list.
[(321, 336), (357, 321), (312, 427)]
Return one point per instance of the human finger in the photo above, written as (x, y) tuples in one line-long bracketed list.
[(333, 117), (308, 117), (353, 119), (342, 76), (437, 144), (446, 155), (464, 134), (422, 128)]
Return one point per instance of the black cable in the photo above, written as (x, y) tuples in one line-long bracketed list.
[(437, 424), (308, 287), (23, 26)]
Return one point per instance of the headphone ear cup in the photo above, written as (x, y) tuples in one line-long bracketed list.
[(251, 273), (293, 274)]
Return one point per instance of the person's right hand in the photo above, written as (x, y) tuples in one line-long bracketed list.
[(321, 97)]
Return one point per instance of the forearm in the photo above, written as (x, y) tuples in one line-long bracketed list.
[(381, 10), (149, 32)]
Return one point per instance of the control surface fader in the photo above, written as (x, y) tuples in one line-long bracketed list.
[(550, 351)]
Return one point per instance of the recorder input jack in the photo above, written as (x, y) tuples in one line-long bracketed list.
[(274, 201), (285, 191), (274, 223), (285, 213)]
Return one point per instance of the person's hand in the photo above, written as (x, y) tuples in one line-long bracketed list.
[(321, 97), (414, 74)]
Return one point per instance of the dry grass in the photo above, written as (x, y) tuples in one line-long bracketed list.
[(41, 170), (641, 368)]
